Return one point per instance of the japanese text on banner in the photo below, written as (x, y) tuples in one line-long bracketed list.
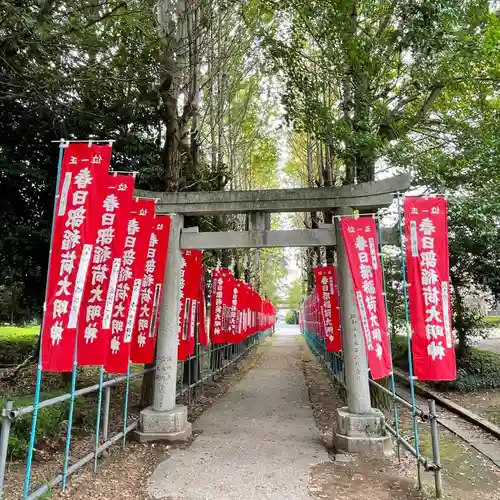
[(129, 283), (361, 243), (83, 168), (216, 335), (111, 213), (143, 347), (328, 303), (426, 232), (190, 293)]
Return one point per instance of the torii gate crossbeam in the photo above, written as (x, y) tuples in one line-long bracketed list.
[(360, 428)]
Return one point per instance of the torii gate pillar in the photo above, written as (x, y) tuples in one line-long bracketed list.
[(360, 428), (165, 420)]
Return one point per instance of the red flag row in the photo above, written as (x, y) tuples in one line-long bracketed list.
[(106, 267), (427, 260), (320, 311), (237, 311)]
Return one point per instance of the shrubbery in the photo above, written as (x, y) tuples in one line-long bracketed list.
[(49, 423), (292, 318), (16, 344)]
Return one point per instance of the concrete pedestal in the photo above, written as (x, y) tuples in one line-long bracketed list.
[(171, 426), (362, 433)]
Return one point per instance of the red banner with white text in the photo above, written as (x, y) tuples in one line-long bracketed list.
[(328, 301), (139, 226), (190, 295), (144, 337), (216, 336), (236, 317), (83, 171), (202, 327), (222, 290), (427, 257), (94, 323), (361, 243)]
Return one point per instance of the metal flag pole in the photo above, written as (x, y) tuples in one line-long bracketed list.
[(36, 402), (98, 417), (393, 382), (408, 338), (125, 410), (74, 371), (70, 416)]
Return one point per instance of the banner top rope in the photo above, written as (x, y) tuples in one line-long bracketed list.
[(90, 141)]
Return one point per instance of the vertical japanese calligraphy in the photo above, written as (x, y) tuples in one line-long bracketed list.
[(216, 336), (190, 292), (235, 323), (426, 232), (202, 330), (144, 337), (94, 323), (83, 169), (328, 303), (361, 243), (129, 284), (238, 311)]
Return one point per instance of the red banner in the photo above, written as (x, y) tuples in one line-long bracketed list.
[(328, 302), (129, 285), (202, 327), (361, 243), (94, 323), (426, 231), (236, 315), (216, 336), (222, 296), (144, 337), (83, 170), (190, 295)]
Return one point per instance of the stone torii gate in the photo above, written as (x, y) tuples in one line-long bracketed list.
[(360, 428)]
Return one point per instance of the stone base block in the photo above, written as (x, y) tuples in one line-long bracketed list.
[(171, 426), (364, 433)]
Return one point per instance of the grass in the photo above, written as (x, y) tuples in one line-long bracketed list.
[(16, 343), (19, 333), (49, 420), (492, 320)]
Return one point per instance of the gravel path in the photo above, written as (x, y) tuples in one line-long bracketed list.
[(259, 441)]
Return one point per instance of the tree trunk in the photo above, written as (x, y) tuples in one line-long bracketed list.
[(460, 325)]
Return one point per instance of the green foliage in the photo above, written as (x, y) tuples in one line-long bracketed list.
[(74, 69), (394, 289), (48, 423), (477, 369), (273, 272), (292, 318), (399, 347), (295, 294), (89, 69), (17, 343), (362, 76)]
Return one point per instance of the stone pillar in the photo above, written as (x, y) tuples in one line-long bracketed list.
[(165, 420), (360, 428), (258, 222)]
